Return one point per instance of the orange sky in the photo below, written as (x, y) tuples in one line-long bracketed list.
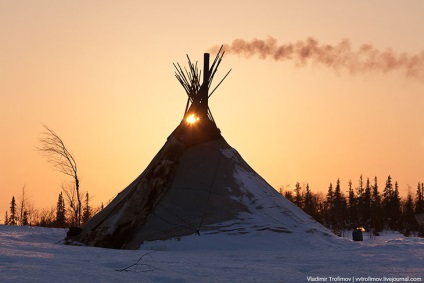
[(100, 74)]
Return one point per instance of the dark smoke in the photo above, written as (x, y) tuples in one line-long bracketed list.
[(340, 56)]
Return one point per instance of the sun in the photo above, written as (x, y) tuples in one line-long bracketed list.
[(191, 119)]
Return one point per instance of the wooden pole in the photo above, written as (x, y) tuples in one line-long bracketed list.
[(206, 69), (204, 95)]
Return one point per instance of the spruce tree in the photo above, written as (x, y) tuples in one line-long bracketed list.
[(352, 207), (319, 205), (409, 222), (386, 203), (298, 200), (308, 204), (87, 209), (60, 211), (328, 208), (376, 209), (360, 201), (388, 189), (12, 217), (6, 218), (289, 195), (339, 207), (396, 210), (367, 205)]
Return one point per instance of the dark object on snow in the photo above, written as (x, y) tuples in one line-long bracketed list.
[(357, 235), (74, 231)]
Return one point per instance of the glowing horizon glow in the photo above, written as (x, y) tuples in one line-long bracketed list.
[(191, 119)]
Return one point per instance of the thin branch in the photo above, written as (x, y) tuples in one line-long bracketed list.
[(138, 265)]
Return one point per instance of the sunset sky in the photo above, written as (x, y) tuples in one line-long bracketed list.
[(100, 74)]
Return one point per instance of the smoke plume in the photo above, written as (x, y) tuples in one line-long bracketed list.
[(341, 56)]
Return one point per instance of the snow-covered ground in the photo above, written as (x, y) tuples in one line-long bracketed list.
[(34, 254)]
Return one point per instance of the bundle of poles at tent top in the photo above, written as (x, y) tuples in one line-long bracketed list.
[(197, 92)]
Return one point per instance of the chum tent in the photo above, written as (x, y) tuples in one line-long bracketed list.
[(196, 184)]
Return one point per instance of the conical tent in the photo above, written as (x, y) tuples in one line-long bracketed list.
[(196, 184)]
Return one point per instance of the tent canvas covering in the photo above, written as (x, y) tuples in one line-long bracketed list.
[(206, 188)]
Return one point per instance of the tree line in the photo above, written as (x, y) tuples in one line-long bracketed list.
[(364, 205), (63, 215)]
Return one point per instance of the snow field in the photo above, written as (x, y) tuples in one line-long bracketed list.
[(35, 254)]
